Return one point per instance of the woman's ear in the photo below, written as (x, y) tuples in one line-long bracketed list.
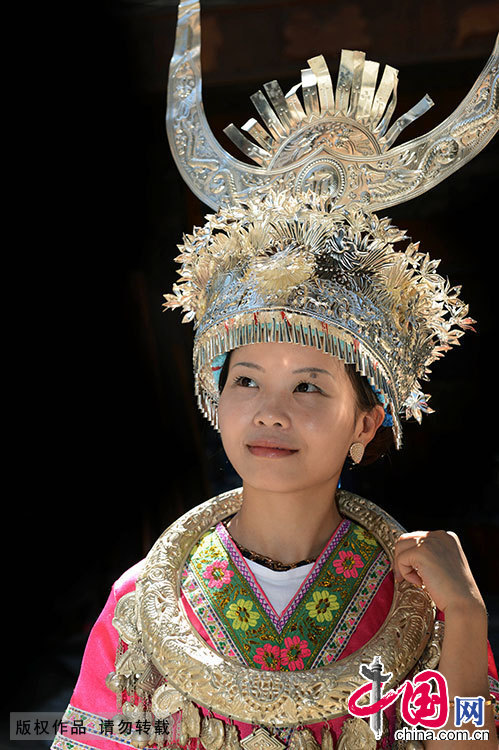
[(368, 424)]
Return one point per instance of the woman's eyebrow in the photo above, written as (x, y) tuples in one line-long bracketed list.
[(313, 370), (250, 364)]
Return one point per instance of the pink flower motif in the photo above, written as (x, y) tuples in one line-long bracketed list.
[(217, 574), (292, 655), (348, 563), (269, 657)]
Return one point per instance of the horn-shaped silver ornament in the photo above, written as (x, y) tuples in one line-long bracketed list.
[(336, 140)]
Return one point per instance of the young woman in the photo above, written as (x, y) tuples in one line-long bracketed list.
[(288, 418), (286, 583), (255, 615)]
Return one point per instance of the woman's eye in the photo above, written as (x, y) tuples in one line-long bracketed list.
[(307, 388), (244, 381)]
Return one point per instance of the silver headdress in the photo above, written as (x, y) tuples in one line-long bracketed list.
[(295, 252)]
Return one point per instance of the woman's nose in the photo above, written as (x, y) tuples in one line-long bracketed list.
[(271, 414)]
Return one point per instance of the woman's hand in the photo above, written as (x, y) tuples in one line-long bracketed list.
[(435, 560)]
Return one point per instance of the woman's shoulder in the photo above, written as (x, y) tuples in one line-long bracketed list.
[(127, 580)]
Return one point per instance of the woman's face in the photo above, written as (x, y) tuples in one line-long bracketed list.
[(288, 416)]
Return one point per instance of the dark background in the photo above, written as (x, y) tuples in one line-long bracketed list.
[(108, 445)]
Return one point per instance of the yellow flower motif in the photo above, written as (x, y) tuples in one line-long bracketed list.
[(364, 536), (241, 614), (323, 606)]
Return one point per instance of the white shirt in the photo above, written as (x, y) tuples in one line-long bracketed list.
[(279, 586)]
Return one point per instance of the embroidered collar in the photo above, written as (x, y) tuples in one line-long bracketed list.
[(282, 698)]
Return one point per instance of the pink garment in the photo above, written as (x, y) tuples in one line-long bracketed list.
[(92, 702)]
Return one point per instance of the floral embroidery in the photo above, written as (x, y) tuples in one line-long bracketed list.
[(323, 605), (217, 574), (294, 651), (242, 615), (268, 656), (241, 623), (364, 536), (348, 563)]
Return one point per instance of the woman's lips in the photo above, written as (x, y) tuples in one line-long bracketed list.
[(266, 451)]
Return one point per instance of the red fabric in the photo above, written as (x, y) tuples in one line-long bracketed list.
[(492, 666)]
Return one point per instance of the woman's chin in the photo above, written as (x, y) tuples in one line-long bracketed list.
[(281, 475), (274, 481)]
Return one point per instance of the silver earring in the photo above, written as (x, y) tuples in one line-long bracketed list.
[(356, 452)]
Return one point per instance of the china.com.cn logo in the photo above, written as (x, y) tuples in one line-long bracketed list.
[(424, 700)]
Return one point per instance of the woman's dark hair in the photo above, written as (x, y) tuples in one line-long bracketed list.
[(366, 400)]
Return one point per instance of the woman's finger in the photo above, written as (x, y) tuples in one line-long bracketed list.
[(408, 543)]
